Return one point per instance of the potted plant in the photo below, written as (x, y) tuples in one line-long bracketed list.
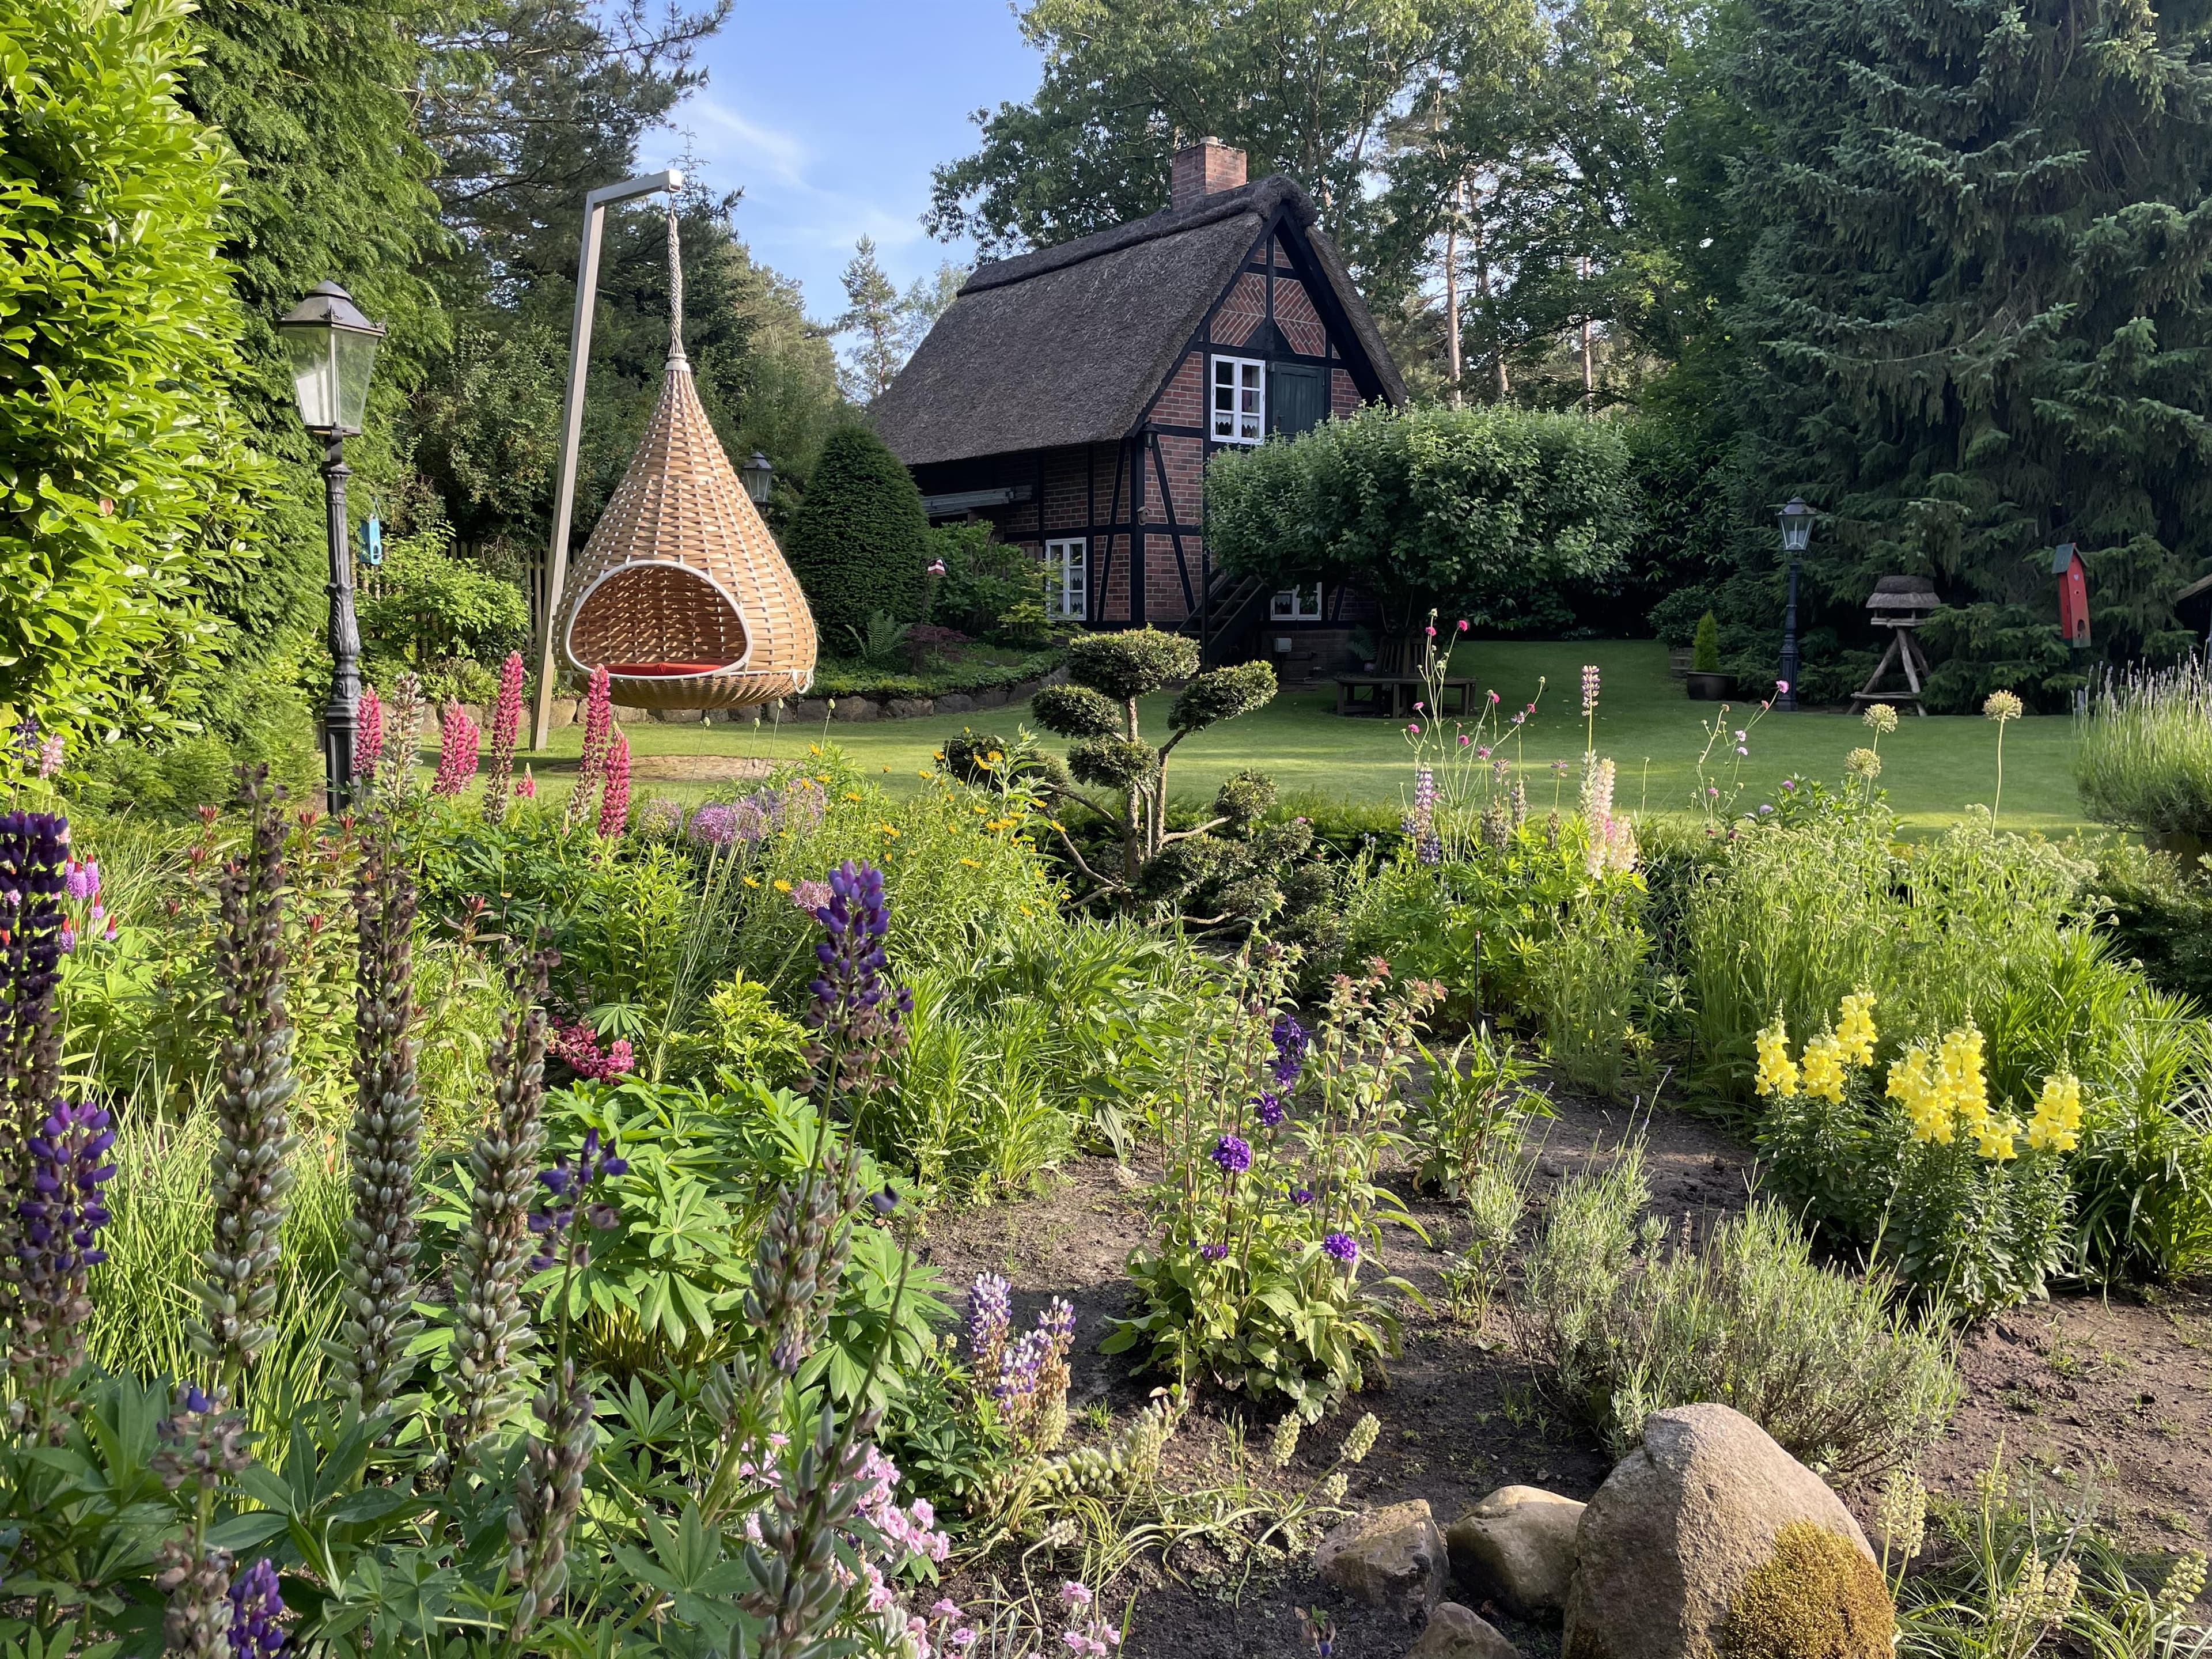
[(1706, 681)]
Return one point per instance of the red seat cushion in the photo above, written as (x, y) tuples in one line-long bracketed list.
[(653, 670)]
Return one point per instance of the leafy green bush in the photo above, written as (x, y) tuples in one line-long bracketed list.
[(2143, 759), (984, 578), (1480, 512), (1621, 1321), (423, 606), (2161, 915), (839, 677), (860, 542), (1478, 1100), (129, 489)]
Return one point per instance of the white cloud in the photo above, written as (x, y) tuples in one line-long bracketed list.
[(749, 145)]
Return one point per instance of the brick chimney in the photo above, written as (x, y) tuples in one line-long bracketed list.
[(1203, 169)]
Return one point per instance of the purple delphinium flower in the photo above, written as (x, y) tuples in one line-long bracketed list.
[(1302, 1195), (255, 1607), (1232, 1154), (1270, 1108), (1342, 1247), (568, 1190), (859, 1015), (1213, 1252), (1291, 1041)]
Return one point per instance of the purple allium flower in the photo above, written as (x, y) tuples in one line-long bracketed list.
[(1270, 1108), (1232, 1154), (715, 824), (1341, 1246), (812, 897), (1213, 1252), (255, 1607)]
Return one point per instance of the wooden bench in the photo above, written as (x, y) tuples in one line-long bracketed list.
[(1392, 696)]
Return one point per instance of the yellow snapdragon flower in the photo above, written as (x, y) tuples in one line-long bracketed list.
[(1913, 1085), (1960, 1075), (1855, 1031), (1823, 1063), (2057, 1125), (1993, 1137), (1778, 1072)]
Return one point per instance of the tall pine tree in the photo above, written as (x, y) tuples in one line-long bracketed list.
[(1977, 312)]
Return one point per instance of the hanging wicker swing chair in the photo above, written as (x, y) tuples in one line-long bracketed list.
[(681, 593)]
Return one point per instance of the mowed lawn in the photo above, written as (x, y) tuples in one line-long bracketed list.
[(1934, 768)]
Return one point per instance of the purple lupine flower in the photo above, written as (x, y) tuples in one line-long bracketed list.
[(1270, 1108), (1213, 1252), (51, 753), (858, 1014), (1019, 1366), (1342, 1247), (1589, 688), (64, 1212), (568, 1190), (255, 1607), (1232, 1154), (990, 1311)]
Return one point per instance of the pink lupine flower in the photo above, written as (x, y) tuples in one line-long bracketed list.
[(614, 804), (456, 751), (369, 732)]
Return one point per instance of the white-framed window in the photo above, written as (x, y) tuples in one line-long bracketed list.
[(1067, 578), (1239, 400), (1301, 604)]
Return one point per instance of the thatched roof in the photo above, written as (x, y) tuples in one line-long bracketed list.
[(1066, 345)]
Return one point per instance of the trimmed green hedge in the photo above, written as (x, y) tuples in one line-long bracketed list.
[(835, 679)]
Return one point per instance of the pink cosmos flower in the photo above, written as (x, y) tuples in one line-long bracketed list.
[(1462, 624)]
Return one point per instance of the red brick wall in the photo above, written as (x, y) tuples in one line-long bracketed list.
[(1182, 401), (1343, 395), (1296, 316), (1244, 310)]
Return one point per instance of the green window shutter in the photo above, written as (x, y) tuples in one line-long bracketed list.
[(1297, 397)]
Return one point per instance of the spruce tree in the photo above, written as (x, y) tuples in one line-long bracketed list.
[(1976, 308), (857, 543)]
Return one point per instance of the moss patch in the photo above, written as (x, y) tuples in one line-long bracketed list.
[(1816, 1597)]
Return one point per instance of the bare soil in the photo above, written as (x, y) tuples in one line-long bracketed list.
[(2115, 1391)]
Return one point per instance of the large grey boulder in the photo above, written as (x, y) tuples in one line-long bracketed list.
[(954, 702), (1392, 1557), (1677, 1527), (853, 708), (1516, 1548), (910, 708), (1458, 1632)]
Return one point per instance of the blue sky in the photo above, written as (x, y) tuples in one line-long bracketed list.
[(830, 113)]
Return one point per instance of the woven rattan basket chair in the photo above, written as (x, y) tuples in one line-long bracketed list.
[(681, 593)]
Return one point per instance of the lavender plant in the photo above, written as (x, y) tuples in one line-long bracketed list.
[(253, 1156), (383, 1143), (492, 1258)]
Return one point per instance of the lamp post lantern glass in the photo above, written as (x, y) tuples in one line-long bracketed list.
[(333, 351), (758, 475), (1797, 534)]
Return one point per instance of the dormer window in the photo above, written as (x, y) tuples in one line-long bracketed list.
[(1240, 400)]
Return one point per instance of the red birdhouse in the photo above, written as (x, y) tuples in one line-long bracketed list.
[(2073, 594)]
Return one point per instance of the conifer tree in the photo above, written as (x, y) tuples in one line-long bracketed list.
[(857, 542), (1977, 307)]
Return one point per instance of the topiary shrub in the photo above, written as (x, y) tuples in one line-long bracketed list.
[(1816, 1597), (1706, 648), (859, 542)]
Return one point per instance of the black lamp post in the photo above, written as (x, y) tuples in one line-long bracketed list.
[(759, 476), (333, 347), (1797, 531)]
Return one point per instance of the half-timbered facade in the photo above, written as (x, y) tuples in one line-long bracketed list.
[(1072, 396)]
